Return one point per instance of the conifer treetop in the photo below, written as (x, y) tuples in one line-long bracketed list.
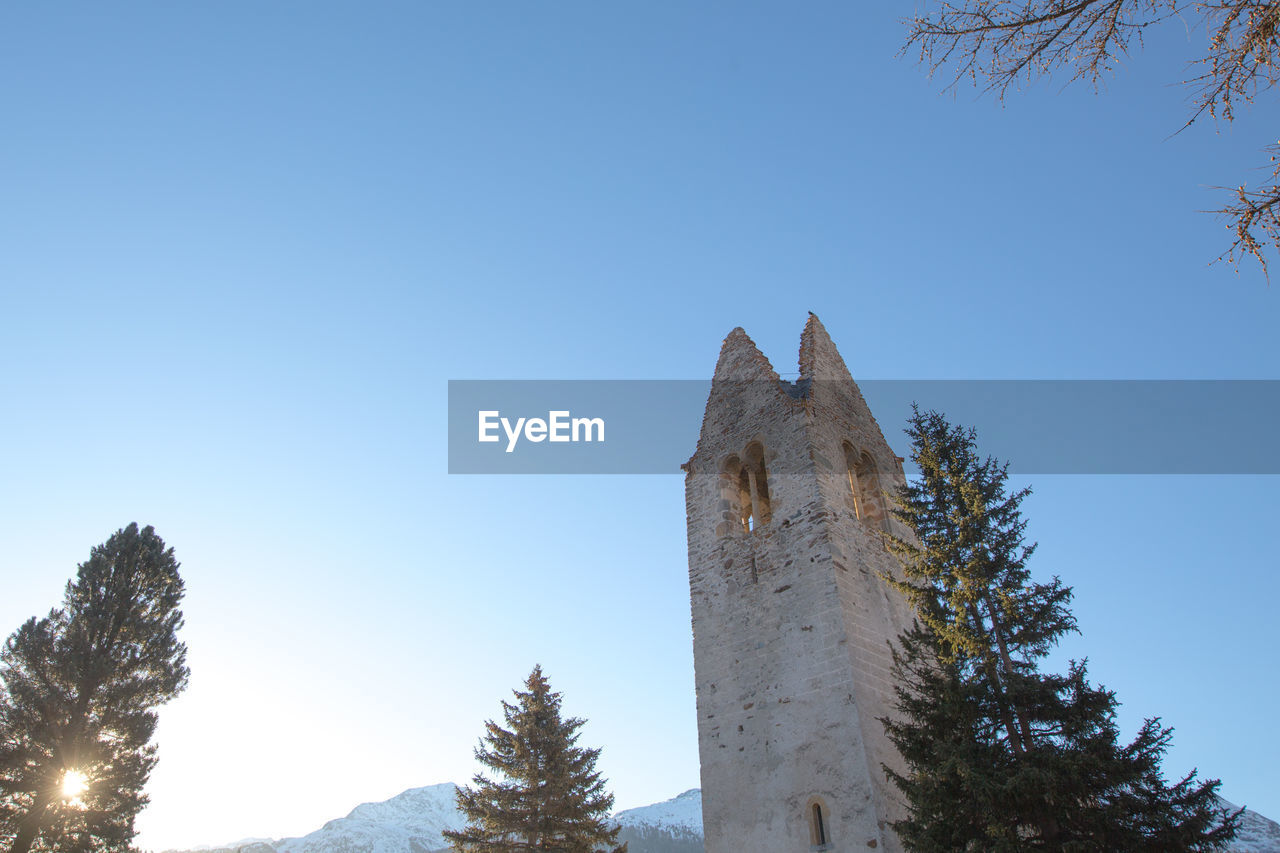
[(78, 693), (546, 793)]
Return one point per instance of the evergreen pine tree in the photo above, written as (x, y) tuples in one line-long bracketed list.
[(1001, 756), (548, 796), (79, 691)]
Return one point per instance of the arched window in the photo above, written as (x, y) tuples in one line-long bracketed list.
[(819, 832), (864, 485), (744, 489), (755, 479)]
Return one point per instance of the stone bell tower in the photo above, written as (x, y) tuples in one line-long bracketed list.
[(786, 502)]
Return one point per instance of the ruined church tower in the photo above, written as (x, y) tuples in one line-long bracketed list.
[(786, 501)]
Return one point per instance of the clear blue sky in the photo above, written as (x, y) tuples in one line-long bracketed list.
[(244, 246)]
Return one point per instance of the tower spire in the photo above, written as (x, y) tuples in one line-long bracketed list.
[(819, 358), (741, 360)]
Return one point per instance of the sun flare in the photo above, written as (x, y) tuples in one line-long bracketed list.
[(74, 784)]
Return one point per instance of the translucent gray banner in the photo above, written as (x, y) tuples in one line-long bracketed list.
[(1038, 426)]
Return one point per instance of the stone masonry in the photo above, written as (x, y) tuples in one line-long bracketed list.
[(786, 502)]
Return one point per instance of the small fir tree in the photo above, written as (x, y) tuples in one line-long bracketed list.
[(77, 707), (548, 796), (1000, 756)]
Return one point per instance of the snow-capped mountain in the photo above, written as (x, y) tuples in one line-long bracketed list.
[(671, 826), (684, 812), (1257, 834), (412, 822)]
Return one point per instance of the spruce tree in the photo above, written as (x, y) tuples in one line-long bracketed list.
[(999, 755), (548, 794), (80, 688)]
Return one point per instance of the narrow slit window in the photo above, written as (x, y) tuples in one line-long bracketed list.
[(819, 837), (756, 479), (748, 505)]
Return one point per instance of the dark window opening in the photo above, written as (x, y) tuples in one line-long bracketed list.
[(864, 485), (745, 489)]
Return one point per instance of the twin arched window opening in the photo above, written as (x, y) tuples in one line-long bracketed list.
[(745, 488), (864, 486), (746, 482)]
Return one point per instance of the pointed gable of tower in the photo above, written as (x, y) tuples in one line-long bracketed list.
[(744, 385), (832, 391), (819, 358), (741, 360)]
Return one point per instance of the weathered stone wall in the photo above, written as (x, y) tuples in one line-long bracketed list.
[(791, 618)]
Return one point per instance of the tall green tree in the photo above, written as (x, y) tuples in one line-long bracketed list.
[(547, 794), (80, 689), (999, 755)]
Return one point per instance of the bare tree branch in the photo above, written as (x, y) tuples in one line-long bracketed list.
[(1005, 42), (1254, 216), (1242, 57), (998, 44)]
